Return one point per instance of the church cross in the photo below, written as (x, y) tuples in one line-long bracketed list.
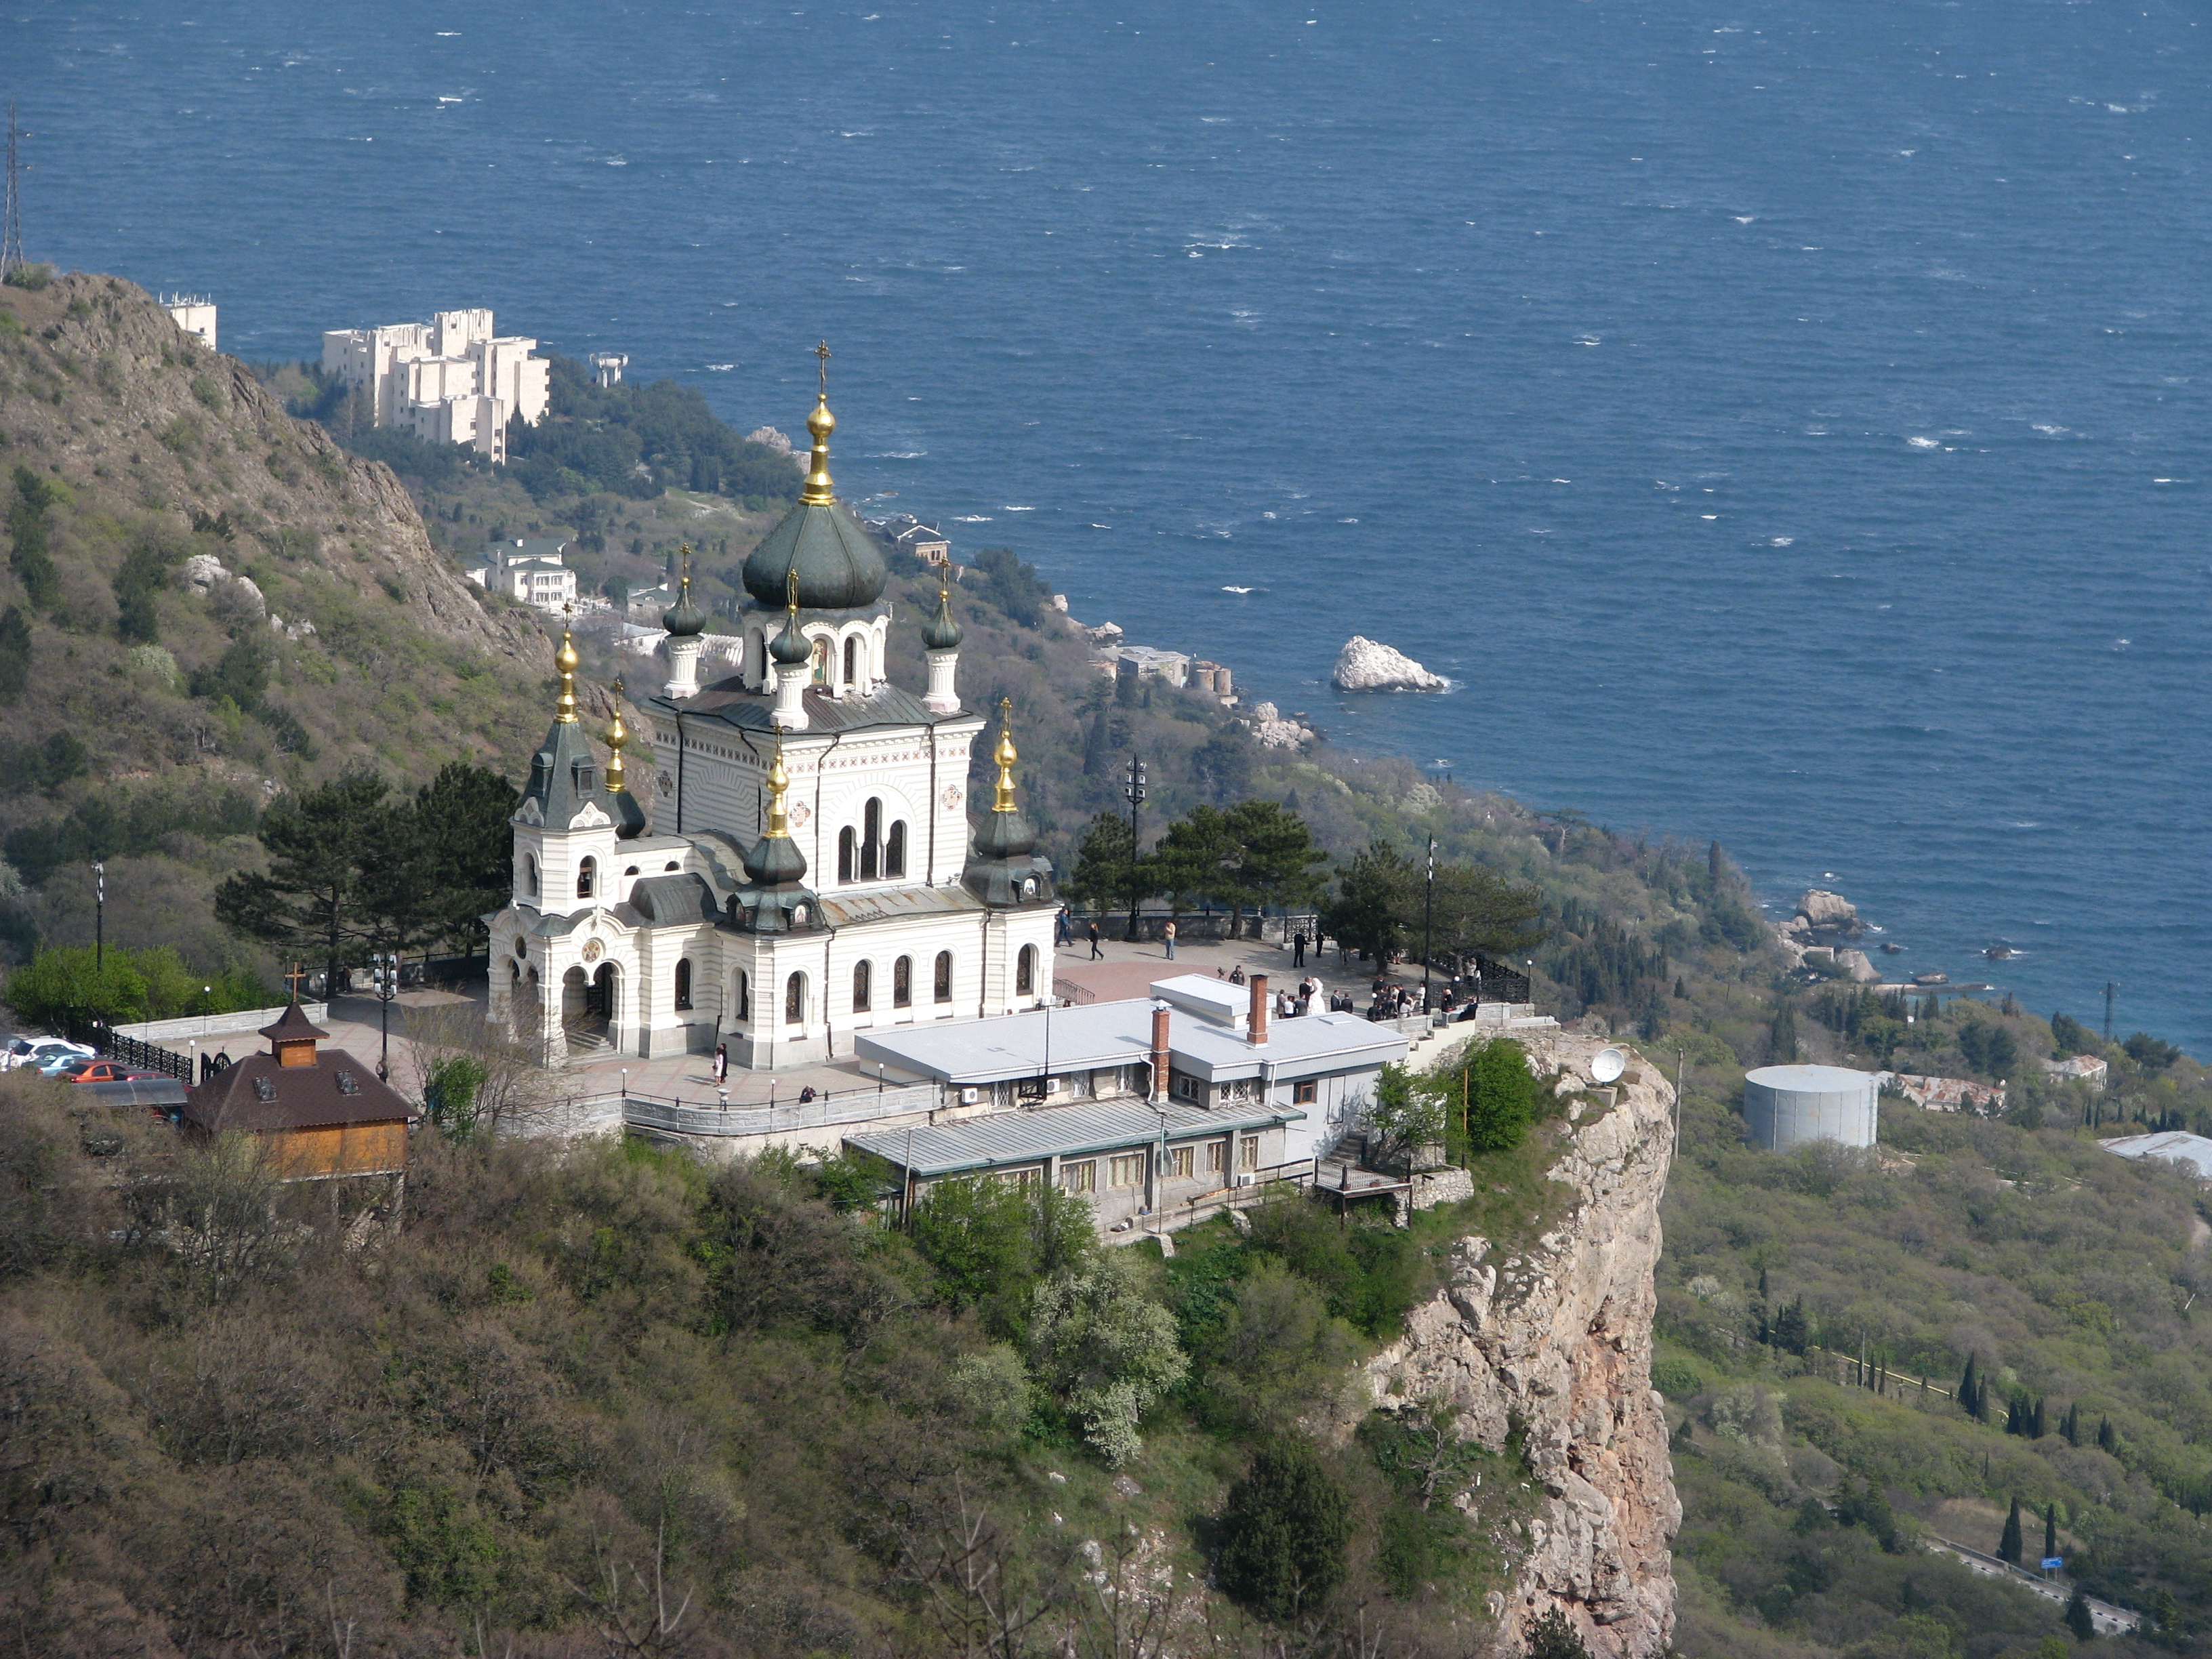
[(295, 977), (822, 352)]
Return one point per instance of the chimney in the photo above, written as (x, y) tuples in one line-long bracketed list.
[(1160, 1051), (1256, 1023)]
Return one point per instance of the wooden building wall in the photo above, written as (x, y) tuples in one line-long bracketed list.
[(340, 1150)]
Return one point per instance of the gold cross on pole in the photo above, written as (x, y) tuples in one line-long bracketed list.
[(822, 352)]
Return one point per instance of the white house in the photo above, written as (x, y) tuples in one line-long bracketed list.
[(529, 569), (448, 380)]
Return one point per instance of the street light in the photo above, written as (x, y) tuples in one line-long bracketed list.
[(1428, 915), (1133, 792), (387, 986), (99, 920)]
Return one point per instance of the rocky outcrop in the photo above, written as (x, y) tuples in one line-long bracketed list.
[(1366, 665), (1271, 731), (1556, 1338)]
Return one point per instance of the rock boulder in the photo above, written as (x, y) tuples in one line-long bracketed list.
[(1366, 665)]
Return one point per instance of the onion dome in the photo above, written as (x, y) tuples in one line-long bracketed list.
[(629, 815), (1006, 869), (564, 662), (790, 648), (836, 562), (942, 632), (684, 618), (776, 860)]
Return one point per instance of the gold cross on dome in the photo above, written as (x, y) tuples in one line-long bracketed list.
[(822, 352)]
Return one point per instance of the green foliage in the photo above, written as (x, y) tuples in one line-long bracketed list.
[(59, 988), (1487, 1096), (30, 275), (2147, 1052), (1990, 1048), (1362, 912), (144, 571), (125, 822), (1552, 1636), (1407, 1112), (1105, 1349), (1105, 863), (2070, 1035), (45, 765), (449, 1094), (596, 437), (14, 653), (30, 538), (1369, 1274), (1013, 588), (991, 1240), (1285, 1533)]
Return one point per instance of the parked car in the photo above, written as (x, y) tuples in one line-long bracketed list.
[(40, 1053), (112, 1071), (66, 1063)]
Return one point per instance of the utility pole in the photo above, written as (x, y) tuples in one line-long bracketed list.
[(1681, 1059), (1428, 919), (1133, 792), (11, 207), (99, 920)]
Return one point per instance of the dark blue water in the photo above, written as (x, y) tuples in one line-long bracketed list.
[(1786, 421)]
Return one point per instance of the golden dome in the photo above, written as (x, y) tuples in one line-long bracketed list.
[(564, 660)]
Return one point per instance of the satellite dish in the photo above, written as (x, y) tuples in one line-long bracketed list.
[(1609, 1064)]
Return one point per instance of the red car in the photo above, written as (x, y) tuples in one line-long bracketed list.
[(111, 1071)]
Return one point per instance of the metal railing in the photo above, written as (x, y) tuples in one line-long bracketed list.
[(144, 1055)]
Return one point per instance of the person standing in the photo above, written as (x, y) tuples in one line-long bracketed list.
[(1067, 934), (1168, 934), (1298, 949), (1095, 951), (721, 1062)]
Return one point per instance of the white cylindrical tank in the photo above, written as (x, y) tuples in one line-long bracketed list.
[(1793, 1106)]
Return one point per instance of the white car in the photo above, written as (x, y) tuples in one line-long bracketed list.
[(41, 1053)]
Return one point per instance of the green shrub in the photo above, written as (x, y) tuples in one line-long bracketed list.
[(1284, 1533)]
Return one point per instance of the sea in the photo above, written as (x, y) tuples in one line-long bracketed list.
[(1783, 422)]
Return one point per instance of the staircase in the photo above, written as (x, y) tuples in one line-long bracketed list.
[(1350, 1152), (586, 1043)]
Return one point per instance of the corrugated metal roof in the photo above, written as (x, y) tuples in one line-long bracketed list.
[(1017, 1137), (2193, 1152), (884, 904), (730, 703)]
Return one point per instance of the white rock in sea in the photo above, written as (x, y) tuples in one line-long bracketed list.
[(1366, 665)]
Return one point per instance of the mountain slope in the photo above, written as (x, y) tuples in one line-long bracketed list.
[(207, 601)]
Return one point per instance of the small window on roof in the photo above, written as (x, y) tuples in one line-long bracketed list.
[(264, 1089), (631, 871), (671, 864), (347, 1082), (1306, 1093)]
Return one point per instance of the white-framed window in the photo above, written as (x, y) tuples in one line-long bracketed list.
[(1189, 1088), (1248, 1152), (1125, 1169), (1181, 1163), (1079, 1177), (1217, 1157)]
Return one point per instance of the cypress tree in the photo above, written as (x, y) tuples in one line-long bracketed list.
[(2050, 1529), (2008, 1544), (2106, 1440), (2071, 1428), (2036, 1430), (2077, 1617), (1968, 1402), (2012, 1423)]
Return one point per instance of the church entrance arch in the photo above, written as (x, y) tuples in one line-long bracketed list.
[(584, 1004), (607, 1004)]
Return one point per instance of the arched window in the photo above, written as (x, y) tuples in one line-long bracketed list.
[(794, 999), (529, 873), (864, 988), (943, 987), (585, 873), (1026, 971), (903, 983), (745, 997), (845, 853), (895, 851), (853, 664), (683, 983), (871, 840)]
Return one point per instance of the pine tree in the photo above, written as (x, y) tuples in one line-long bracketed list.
[(2008, 1544), (1284, 1533), (1552, 1638)]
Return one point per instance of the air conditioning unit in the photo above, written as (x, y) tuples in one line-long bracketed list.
[(970, 1097), (1244, 1180)]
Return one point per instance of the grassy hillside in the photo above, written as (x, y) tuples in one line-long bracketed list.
[(149, 718)]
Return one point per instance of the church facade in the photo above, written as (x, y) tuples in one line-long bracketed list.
[(811, 872)]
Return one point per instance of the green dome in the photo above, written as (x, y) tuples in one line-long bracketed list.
[(684, 618), (942, 632), (838, 565), (776, 860), (789, 647)]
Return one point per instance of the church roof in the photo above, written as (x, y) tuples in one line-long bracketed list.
[(565, 776), (838, 565), (661, 900), (293, 1025), (262, 1094)]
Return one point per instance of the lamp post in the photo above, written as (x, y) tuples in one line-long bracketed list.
[(387, 986), (99, 920), (1133, 792), (1428, 918)]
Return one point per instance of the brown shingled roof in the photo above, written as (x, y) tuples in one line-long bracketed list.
[(260, 1094), (293, 1026)]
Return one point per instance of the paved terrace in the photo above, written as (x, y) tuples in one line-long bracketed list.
[(1124, 970)]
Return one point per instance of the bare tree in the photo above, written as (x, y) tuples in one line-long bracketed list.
[(474, 1078)]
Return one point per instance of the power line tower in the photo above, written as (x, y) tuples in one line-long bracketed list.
[(11, 212)]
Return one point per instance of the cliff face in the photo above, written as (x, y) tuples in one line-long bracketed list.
[(1555, 1341)]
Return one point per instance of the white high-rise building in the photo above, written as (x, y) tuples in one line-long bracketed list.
[(448, 380)]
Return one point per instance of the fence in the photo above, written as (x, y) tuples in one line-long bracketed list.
[(145, 1056), (205, 1025)]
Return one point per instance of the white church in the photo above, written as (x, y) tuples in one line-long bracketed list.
[(813, 874)]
